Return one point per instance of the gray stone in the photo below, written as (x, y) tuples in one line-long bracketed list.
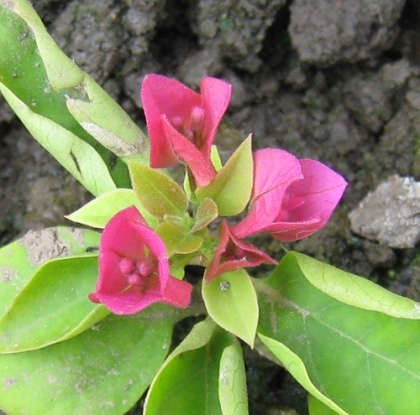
[(391, 214), (325, 32), (236, 28), (370, 101)]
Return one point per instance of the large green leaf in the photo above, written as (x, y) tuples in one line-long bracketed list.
[(232, 186), (37, 78), (20, 260), (53, 307), (362, 356), (77, 156), (157, 192), (103, 371), (204, 375), (232, 303)]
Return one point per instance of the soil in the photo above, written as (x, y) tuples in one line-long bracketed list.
[(335, 81)]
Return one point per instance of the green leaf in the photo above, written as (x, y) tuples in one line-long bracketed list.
[(103, 370), (295, 366), (157, 193), (196, 377), (53, 307), (359, 357), (118, 133), (316, 407), (356, 291), (178, 242), (57, 63), (20, 260), (99, 211), (232, 186), (232, 381), (206, 213), (75, 155), (232, 303), (35, 72), (215, 158)]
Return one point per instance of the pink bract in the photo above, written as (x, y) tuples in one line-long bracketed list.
[(182, 124), (232, 254), (291, 198), (134, 267)]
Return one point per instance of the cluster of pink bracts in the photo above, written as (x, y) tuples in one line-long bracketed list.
[(291, 199)]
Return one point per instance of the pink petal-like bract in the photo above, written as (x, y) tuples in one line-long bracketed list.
[(182, 124), (291, 199), (232, 254), (134, 267), (274, 171)]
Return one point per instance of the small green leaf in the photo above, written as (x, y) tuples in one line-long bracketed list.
[(182, 223), (20, 260), (206, 213), (358, 354), (189, 380), (178, 242), (232, 186), (75, 155), (54, 306), (157, 193), (99, 211), (232, 303), (215, 158), (232, 381), (103, 370)]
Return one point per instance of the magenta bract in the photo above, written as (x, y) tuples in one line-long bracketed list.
[(291, 198), (134, 267), (182, 124), (232, 254)]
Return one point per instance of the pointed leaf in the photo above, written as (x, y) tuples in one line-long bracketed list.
[(360, 354), (104, 370), (37, 72), (53, 306), (75, 155), (356, 291), (232, 186), (158, 193), (232, 303), (99, 211), (118, 133), (201, 365), (206, 213), (20, 260)]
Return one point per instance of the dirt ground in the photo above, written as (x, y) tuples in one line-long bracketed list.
[(335, 81)]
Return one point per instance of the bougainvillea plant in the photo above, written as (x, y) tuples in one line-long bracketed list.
[(87, 313)]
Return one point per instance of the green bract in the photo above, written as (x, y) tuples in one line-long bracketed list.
[(157, 192), (232, 186)]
